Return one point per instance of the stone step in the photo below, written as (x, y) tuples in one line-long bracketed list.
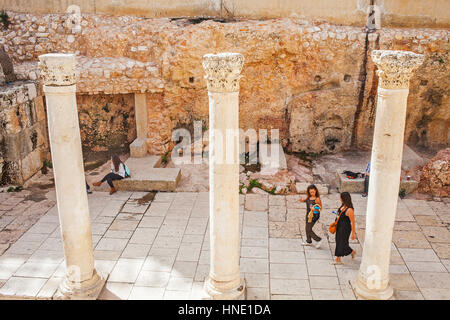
[(145, 177)]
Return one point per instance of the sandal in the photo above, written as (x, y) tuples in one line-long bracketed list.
[(353, 254), (336, 262)]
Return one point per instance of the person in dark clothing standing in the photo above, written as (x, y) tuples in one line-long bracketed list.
[(366, 180), (312, 198), (117, 173), (345, 226)]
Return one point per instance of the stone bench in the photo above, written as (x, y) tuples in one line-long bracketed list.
[(357, 185), (145, 176)]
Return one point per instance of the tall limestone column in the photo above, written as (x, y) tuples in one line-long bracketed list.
[(58, 76), (222, 76), (395, 69)]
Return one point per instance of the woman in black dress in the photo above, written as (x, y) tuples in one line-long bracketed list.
[(345, 227)]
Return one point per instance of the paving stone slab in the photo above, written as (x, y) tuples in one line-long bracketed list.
[(184, 269), (432, 221), (435, 293), (432, 280), (254, 265), (153, 279), (144, 236), (118, 234), (256, 280), (400, 281), (290, 297), (107, 254), (424, 255), (421, 266), (320, 268), (289, 286), (180, 284), (126, 270), (287, 257), (22, 287), (282, 244), (258, 294), (410, 239), (255, 232), (135, 251), (255, 252), (256, 202), (202, 272), (146, 293), (437, 234), (277, 213), (326, 294), (441, 249), (111, 244), (288, 271), (408, 295), (115, 291)]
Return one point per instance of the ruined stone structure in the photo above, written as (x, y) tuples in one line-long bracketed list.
[(310, 79), (296, 70), (23, 129)]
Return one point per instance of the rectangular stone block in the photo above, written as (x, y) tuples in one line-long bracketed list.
[(357, 185), (138, 148), (145, 176)]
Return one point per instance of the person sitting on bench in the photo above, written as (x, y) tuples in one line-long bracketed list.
[(117, 173)]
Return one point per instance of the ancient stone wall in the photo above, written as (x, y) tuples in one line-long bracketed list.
[(398, 13), (312, 80), (107, 124), (23, 132)]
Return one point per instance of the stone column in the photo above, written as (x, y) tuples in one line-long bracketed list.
[(138, 147), (395, 68), (222, 76), (58, 76)]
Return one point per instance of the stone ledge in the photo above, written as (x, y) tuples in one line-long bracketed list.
[(357, 185), (146, 177), (106, 75)]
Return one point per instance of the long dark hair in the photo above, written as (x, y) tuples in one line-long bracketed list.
[(311, 186), (346, 200), (116, 162)]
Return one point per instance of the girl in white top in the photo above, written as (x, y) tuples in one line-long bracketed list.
[(117, 173)]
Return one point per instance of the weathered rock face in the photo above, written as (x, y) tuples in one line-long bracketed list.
[(107, 122), (23, 133), (435, 175), (314, 82), (6, 67)]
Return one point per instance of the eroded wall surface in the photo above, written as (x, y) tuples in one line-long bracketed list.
[(23, 133), (313, 81)]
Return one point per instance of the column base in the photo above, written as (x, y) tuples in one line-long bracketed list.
[(86, 290), (214, 293), (363, 292), (138, 148)]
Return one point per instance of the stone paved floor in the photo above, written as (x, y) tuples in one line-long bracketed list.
[(160, 249)]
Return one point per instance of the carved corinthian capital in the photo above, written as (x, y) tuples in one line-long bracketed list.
[(395, 68), (223, 71), (58, 69)]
